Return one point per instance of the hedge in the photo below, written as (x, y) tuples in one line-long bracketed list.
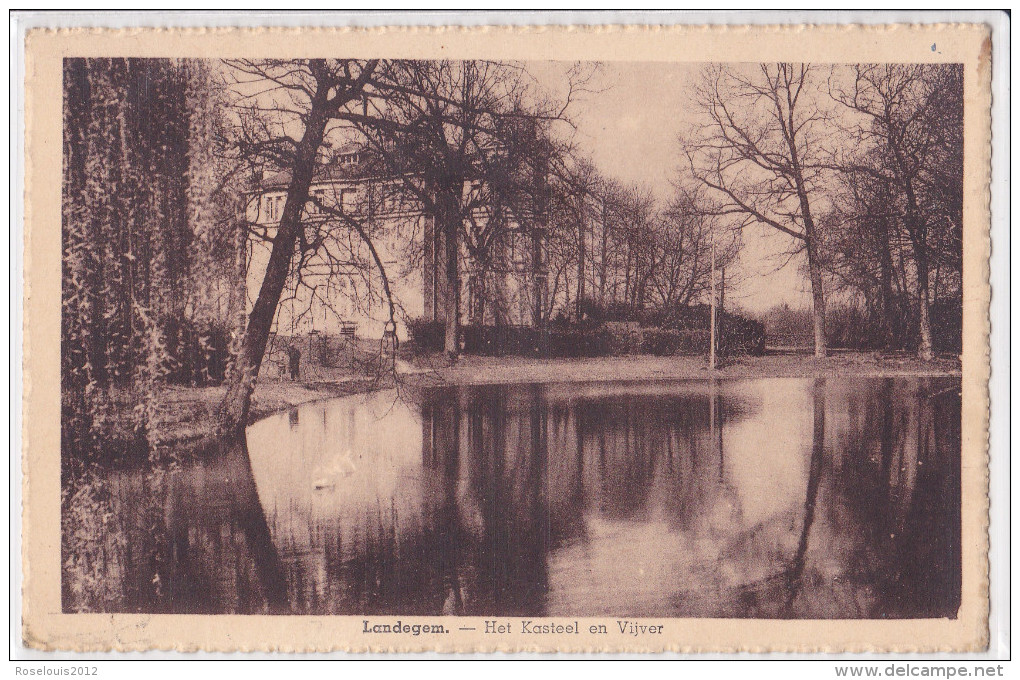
[(426, 335), (587, 339), (668, 341)]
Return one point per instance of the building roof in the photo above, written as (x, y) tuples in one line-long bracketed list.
[(350, 147), (369, 165)]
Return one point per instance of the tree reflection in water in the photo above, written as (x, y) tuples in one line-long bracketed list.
[(793, 498), (172, 539)]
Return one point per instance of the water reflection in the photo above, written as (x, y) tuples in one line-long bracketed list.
[(177, 539), (786, 498)]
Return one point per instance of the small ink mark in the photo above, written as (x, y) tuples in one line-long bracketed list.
[(933, 47)]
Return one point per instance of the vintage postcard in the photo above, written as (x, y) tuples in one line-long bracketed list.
[(475, 339)]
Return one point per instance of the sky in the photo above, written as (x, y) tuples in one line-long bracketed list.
[(630, 126)]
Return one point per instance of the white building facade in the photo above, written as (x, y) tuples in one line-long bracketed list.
[(335, 280)]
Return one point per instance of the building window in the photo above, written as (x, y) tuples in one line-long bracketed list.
[(318, 199), (538, 245), (519, 249), (274, 207), (541, 295), (349, 200)]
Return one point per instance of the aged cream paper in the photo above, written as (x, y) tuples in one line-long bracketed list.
[(46, 626)]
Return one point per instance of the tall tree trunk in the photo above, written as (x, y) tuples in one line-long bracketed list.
[(815, 273), (538, 280), (626, 275), (452, 297), (818, 299), (448, 224), (580, 258), (432, 257), (239, 290), (603, 267), (233, 410), (926, 351), (478, 295), (888, 309), (811, 241), (918, 240)]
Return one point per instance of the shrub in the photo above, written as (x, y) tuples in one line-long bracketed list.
[(624, 337), (740, 335), (595, 312), (850, 327), (592, 338), (427, 335), (853, 327), (669, 341), (947, 325), (660, 342), (737, 334), (788, 327), (503, 340), (556, 340), (330, 350), (581, 340)]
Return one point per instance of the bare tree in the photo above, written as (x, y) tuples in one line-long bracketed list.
[(449, 137), (760, 152), (464, 138), (611, 198), (910, 139), (864, 243), (682, 265), (307, 95), (574, 187), (639, 238)]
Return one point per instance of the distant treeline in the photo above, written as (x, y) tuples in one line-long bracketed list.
[(861, 165), (850, 326), (614, 330)]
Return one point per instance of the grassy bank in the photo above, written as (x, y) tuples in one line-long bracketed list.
[(480, 370), (187, 414)]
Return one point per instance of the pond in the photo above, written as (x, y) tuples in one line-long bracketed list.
[(763, 498)]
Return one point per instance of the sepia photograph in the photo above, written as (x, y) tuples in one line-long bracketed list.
[(470, 346)]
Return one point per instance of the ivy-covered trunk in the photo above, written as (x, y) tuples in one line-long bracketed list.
[(129, 147)]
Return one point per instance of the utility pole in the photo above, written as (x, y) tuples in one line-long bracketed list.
[(711, 337), (722, 294)]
